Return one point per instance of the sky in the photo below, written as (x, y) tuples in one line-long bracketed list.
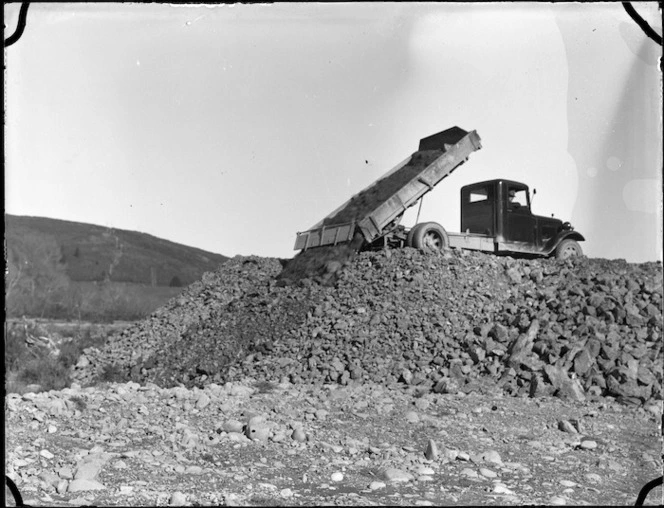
[(232, 127)]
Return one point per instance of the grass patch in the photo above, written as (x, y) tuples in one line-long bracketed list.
[(101, 302), (41, 358), (34, 364), (45, 372)]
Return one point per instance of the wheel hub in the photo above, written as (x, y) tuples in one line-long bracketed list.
[(432, 241), (569, 252)]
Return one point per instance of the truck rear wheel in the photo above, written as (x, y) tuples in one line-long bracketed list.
[(429, 236), (411, 234), (568, 249)]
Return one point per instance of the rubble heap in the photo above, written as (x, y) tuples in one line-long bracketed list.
[(461, 321)]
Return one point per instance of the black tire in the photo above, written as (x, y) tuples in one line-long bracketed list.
[(411, 234), (568, 249), (430, 237)]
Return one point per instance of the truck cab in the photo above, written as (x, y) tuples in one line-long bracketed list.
[(501, 209)]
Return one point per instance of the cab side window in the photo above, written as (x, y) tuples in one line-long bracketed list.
[(478, 195)]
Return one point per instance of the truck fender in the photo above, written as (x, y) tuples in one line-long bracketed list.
[(564, 235)]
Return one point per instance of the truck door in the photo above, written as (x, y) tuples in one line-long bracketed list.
[(477, 209), (519, 220)]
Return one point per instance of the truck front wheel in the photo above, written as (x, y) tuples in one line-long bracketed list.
[(568, 249), (429, 236)]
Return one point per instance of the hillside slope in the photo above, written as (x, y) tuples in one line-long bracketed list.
[(87, 252)]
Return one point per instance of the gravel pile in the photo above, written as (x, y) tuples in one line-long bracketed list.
[(459, 322), (194, 305)]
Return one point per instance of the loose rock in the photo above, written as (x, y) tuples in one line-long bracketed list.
[(395, 475), (431, 452)]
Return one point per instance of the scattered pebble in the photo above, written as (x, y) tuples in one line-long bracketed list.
[(502, 489), (471, 473), (493, 457), (66, 473), (424, 470), (233, 426), (412, 417), (62, 487), (488, 472), (46, 454), (451, 455), (588, 444), (299, 435), (396, 475), (566, 426), (593, 477), (177, 499), (431, 452), (83, 484), (203, 400)]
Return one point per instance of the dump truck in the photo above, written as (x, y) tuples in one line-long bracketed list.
[(496, 214)]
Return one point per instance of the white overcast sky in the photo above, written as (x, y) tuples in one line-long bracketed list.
[(232, 127)]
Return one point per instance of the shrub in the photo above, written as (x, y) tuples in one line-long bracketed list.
[(16, 350), (69, 353), (25, 365), (46, 372), (71, 350)]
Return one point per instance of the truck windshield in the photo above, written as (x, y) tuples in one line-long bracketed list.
[(517, 198)]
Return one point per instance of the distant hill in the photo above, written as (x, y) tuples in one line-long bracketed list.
[(88, 252)]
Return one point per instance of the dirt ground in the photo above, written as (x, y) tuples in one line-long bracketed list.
[(326, 445)]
